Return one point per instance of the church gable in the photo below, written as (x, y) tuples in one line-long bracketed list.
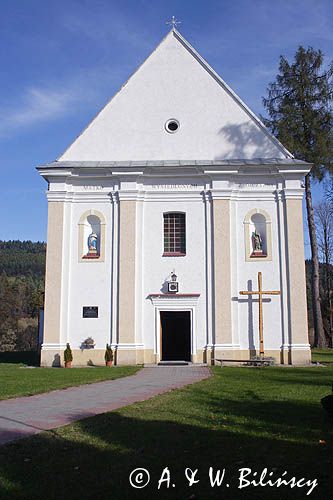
[(174, 107)]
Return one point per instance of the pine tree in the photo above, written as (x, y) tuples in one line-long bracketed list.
[(299, 105)]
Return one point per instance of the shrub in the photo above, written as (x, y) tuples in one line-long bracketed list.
[(108, 353), (68, 355)]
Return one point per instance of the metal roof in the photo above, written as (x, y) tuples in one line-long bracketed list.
[(175, 163)]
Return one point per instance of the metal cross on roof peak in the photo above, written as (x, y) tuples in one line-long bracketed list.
[(173, 22)]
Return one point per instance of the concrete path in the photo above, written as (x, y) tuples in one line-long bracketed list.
[(22, 417)]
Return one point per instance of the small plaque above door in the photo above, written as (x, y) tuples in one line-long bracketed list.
[(90, 312)]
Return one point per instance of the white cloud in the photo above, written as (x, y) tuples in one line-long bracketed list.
[(50, 101), (37, 105)]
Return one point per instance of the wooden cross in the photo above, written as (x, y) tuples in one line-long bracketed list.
[(260, 292)]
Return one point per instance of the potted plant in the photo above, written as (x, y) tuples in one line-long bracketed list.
[(68, 356), (108, 355)]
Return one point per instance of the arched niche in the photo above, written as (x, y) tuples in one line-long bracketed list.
[(91, 237), (258, 235)]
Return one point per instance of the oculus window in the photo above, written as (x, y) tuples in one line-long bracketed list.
[(172, 126)]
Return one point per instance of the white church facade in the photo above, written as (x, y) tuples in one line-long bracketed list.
[(166, 207)]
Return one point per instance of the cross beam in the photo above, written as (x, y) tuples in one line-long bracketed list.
[(260, 292)]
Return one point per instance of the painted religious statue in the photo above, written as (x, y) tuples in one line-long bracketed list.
[(256, 244), (93, 244)]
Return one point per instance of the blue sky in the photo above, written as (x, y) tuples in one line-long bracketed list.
[(62, 60)]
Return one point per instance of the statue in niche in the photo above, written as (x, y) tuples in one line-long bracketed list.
[(256, 243), (92, 244)]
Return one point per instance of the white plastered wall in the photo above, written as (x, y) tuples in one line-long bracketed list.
[(190, 269), (247, 279), (172, 83), (88, 282), (94, 283)]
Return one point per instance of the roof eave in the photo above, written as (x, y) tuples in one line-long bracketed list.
[(287, 166)]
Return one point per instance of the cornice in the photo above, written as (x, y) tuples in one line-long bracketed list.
[(184, 196), (79, 197), (174, 300), (292, 193), (207, 172)]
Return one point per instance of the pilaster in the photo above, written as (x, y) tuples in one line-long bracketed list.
[(126, 277), (298, 324), (53, 278), (222, 276)]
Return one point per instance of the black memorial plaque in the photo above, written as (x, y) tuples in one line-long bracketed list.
[(90, 312)]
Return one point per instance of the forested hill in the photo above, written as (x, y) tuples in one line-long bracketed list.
[(22, 258), (22, 269)]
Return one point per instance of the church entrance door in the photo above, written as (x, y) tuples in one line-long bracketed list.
[(176, 335)]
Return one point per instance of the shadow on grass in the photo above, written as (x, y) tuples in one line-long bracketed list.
[(253, 415), (314, 376), (30, 358), (94, 457)]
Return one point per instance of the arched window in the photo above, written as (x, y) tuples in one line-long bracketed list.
[(257, 234), (91, 236), (174, 226)]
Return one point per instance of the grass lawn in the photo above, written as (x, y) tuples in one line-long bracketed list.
[(241, 417), (322, 355), (20, 380)]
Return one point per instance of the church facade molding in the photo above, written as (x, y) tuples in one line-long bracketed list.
[(225, 346), (49, 346), (233, 193), (292, 194), (174, 301), (127, 345)]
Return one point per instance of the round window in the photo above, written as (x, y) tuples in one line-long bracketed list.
[(172, 126)]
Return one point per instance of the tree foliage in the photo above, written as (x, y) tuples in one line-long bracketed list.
[(22, 268), (22, 258), (324, 271), (299, 105)]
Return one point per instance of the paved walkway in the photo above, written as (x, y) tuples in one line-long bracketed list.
[(22, 417)]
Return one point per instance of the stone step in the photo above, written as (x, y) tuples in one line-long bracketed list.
[(173, 363), (188, 365)]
